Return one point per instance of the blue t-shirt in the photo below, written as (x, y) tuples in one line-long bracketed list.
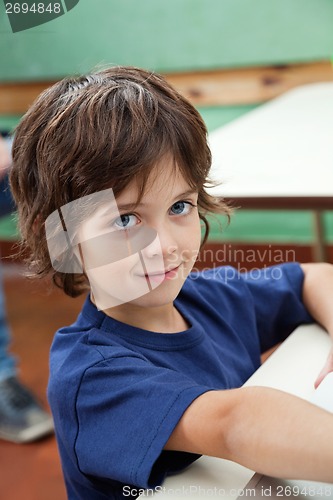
[(117, 392)]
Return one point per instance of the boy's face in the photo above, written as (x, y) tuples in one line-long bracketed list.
[(141, 253)]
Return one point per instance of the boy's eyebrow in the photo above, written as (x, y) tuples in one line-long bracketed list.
[(187, 193), (131, 206)]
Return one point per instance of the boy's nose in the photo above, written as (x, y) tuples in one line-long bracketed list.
[(163, 245)]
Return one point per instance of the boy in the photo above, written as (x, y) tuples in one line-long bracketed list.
[(109, 177)]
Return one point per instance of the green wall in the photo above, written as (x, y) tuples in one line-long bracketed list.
[(177, 35), (168, 35)]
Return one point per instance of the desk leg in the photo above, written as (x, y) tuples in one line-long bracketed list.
[(319, 250)]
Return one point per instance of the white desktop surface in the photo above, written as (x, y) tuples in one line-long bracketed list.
[(281, 149), (293, 368)]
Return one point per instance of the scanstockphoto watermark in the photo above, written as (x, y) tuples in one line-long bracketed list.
[(310, 490), (226, 253), (257, 263), (237, 272), (28, 14), (189, 492), (277, 491)]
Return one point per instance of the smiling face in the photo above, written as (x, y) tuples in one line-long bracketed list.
[(157, 241)]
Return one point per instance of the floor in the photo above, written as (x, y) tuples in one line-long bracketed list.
[(32, 471)]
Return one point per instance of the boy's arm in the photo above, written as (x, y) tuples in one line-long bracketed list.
[(263, 429), (318, 299)]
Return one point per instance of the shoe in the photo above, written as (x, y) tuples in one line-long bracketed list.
[(22, 419)]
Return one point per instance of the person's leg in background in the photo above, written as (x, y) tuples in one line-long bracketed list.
[(7, 361), (22, 419)]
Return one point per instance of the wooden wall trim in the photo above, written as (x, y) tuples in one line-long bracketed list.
[(224, 87), (15, 98), (247, 85)]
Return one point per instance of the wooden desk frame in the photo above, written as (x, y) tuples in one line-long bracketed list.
[(317, 205)]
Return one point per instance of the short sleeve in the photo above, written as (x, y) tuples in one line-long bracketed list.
[(127, 409), (277, 300)]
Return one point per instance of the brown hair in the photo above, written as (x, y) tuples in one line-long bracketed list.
[(102, 130)]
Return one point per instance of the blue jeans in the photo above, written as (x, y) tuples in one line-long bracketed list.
[(7, 361)]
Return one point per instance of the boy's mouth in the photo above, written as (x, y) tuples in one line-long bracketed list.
[(172, 273), (165, 274)]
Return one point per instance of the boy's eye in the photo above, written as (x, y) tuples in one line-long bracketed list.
[(125, 221), (181, 208)]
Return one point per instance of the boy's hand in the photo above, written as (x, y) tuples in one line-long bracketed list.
[(328, 367), (317, 298), (5, 157)]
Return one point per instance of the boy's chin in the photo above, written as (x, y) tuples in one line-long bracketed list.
[(161, 296)]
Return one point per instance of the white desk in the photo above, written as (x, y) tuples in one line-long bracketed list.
[(293, 367), (280, 155)]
